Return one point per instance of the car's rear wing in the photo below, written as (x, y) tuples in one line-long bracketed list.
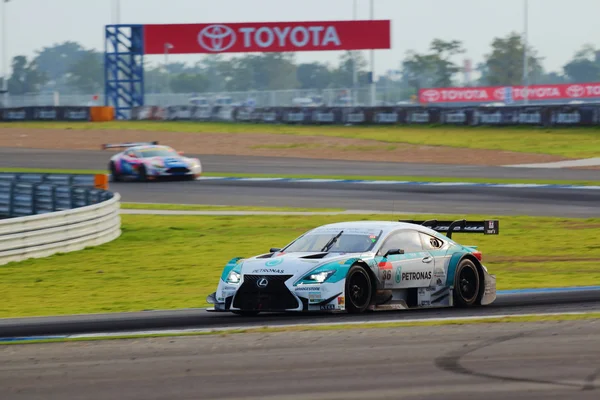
[(487, 227), (126, 145)]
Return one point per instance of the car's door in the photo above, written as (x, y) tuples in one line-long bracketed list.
[(438, 249), (412, 269)]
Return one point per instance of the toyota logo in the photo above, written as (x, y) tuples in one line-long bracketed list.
[(262, 283), (500, 93), (575, 91), (217, 38), (431, 95)]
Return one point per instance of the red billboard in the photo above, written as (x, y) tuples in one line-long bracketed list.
[(267, 37), (484, 94)]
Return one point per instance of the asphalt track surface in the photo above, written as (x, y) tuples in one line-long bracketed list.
[(72, 159), (497, 361), (396, 198), (509, 303)]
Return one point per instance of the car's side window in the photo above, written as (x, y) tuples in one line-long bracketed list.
[(406, 240), (430, 242)]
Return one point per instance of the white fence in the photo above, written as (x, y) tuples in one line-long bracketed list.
[(42, 235), (274, 98)]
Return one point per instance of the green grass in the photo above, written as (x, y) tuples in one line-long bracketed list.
[(357, 177), (318, 328), (565, 142), (203, 207), (167, 262)]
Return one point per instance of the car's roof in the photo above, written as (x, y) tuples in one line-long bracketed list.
[(385, 226), (148, 146)]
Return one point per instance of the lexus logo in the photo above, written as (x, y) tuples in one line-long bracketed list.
[(431, 95), (262, 283), (575, 91), (217, 38)]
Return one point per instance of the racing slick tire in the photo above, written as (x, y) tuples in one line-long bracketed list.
[(466, 284), (245, 313), (359, 290), (142, 174), (116, 177)]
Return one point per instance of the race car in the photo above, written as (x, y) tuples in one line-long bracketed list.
[(358, 266), (148, 160)]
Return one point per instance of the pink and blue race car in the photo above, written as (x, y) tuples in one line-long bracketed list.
[(148, 161)]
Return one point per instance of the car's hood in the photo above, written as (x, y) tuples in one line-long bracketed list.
[(292, 263)]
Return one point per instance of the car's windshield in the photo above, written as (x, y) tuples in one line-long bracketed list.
[(351, 241), (158, 152)]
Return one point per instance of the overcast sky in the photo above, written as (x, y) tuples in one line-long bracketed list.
[(557, 28)]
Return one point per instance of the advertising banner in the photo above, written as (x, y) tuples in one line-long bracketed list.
[(267, 37), (508, 94)]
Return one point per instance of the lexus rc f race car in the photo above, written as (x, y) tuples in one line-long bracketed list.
[(358, 266), (145, 161)]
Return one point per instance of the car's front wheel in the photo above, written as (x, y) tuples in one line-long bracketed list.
[(116, 177), (358, 290), (466, 284)]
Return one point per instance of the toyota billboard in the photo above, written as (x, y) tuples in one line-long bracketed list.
[(508, 94), (267, 37)]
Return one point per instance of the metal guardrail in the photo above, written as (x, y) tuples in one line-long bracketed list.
[(47, 214)]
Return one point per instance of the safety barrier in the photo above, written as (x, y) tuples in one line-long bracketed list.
[(47, 214)]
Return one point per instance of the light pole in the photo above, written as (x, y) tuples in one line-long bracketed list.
[(373, 88), (168, 46), (525, 52), (354, 70), (4, 56), (117, 11)]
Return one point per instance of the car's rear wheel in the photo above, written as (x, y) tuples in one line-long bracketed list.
[(245, 313), (116, 177), (466, 284), (358, 290), (142, 174)]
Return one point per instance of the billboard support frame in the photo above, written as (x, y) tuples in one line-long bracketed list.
[(123, 68)]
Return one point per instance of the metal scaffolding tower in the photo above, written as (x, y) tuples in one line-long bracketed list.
[(124, 68)]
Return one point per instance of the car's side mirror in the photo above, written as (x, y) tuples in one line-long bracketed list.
[(392, 252), (274, 250)]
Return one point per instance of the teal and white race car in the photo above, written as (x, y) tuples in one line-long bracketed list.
[(363, 265)]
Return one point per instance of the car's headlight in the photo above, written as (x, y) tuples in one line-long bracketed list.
[(318, 277), (233, 277)]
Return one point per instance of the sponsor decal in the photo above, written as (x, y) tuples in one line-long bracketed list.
[(268, 271), (327, 307), (229, 288), (414, 276), (341, 301), (399, 275), (268, 37), (307, 288), (314, 297), (274, 262), (519, 93)]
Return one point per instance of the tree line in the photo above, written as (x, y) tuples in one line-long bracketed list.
[(69, 67)]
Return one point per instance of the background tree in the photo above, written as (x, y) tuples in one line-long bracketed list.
[(585, 65), (505, 63), (86, 75), (25, 77)]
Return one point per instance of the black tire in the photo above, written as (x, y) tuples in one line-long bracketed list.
[(245, 313), (142, 174), (467, 284), (116, 177), (359, 290)]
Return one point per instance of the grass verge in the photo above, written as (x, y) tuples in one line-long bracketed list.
[(565, 142), (168, 262), (338, 327), (350, 177)]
